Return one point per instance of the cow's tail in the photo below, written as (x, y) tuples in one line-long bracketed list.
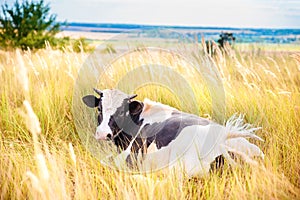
[(237, 142)]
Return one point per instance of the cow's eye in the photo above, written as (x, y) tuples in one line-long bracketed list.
[(99, 119)]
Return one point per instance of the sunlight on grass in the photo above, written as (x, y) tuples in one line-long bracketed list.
[(43, 157)]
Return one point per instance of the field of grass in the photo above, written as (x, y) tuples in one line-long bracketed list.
[(42, 156)]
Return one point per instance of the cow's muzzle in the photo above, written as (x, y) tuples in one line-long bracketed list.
[(103, 136)]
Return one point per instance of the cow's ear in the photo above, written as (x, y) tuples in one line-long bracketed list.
[(135, 107), (91, 101)]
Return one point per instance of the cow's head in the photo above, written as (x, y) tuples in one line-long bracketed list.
[(117, 112)]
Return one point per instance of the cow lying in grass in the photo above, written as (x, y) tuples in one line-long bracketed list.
[(166, 137)]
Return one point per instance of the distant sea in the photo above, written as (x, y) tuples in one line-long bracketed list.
[(243, 35)]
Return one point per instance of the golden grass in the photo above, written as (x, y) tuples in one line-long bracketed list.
[(41, 155)]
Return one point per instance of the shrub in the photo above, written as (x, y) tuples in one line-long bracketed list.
[(81, 45), (27, 25)]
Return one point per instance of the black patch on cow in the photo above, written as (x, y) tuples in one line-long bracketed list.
[(125, 124), (164, 132)]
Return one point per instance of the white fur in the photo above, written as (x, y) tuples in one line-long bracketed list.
[(111, 100), (158, 112)]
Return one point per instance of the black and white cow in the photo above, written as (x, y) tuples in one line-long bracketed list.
[(165, 136)]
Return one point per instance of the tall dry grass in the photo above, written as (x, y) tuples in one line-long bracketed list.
[(41, 155)]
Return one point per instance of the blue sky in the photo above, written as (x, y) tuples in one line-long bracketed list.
[(229, 13)]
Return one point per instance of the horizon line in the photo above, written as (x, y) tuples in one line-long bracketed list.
[(177, 25)]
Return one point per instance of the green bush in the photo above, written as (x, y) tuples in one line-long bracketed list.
[(27, 25), (81, 45)]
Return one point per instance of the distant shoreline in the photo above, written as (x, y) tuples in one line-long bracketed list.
[(97, 31), (86, 34), (185, 27)]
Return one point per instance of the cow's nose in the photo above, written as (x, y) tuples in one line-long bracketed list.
[(102, 136), (109, 136)]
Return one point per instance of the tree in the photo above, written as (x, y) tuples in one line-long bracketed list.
[(27, 25), (226, 38)]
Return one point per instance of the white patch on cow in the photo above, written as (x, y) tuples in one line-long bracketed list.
[(111, 100), (152, 148), (155, 112), (193, 149), (244, 146)]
